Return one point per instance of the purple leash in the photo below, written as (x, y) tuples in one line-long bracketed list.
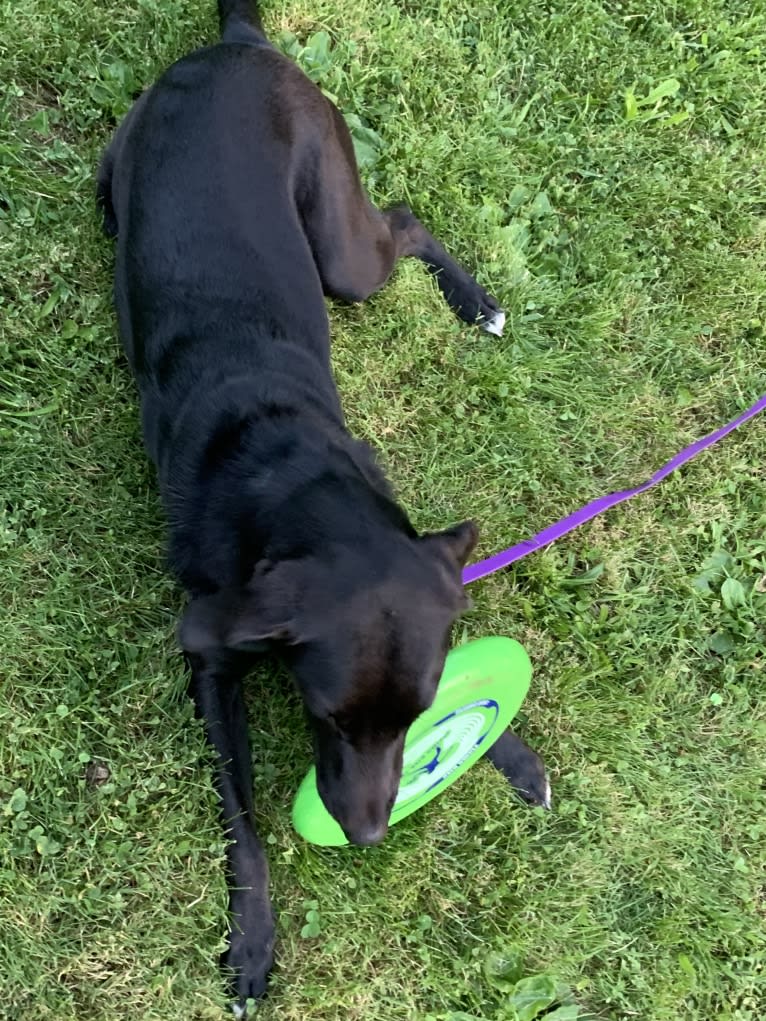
[(603, 503)]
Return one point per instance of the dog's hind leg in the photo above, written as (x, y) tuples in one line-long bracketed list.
[(104, 193), (356, 245), (462, 293), (105, 201), (523, 769)]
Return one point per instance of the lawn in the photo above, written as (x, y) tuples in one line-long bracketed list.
[(601, 165)]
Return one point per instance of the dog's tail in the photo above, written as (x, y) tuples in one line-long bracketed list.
[(238, 18)]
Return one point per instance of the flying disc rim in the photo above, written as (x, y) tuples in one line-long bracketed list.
[(483, 685)]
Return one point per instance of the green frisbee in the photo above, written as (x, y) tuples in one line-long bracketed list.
[(481, 689)]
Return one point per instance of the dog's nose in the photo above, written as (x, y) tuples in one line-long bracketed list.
[(368, 835)]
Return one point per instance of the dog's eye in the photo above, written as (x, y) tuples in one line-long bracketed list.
[(337, 722)]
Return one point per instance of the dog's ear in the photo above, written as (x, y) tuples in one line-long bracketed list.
[(268, 608), (455, 543)]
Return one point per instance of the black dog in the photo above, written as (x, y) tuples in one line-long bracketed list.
[(232, 188)]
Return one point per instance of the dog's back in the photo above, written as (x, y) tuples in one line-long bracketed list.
[(212, 251)]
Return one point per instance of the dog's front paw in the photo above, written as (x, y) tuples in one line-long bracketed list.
[(249, 959), (523, 769)]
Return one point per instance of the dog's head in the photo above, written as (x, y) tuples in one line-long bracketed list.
[(366, 643)]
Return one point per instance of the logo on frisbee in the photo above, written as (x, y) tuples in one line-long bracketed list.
[(438, 752)]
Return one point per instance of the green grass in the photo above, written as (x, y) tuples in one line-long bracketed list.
[(626, 237)]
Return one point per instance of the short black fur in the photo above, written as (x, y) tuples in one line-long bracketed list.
[(232, 190)]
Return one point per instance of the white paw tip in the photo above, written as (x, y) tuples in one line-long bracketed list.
[(547, 799), (239, 1010), (495, 324)]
